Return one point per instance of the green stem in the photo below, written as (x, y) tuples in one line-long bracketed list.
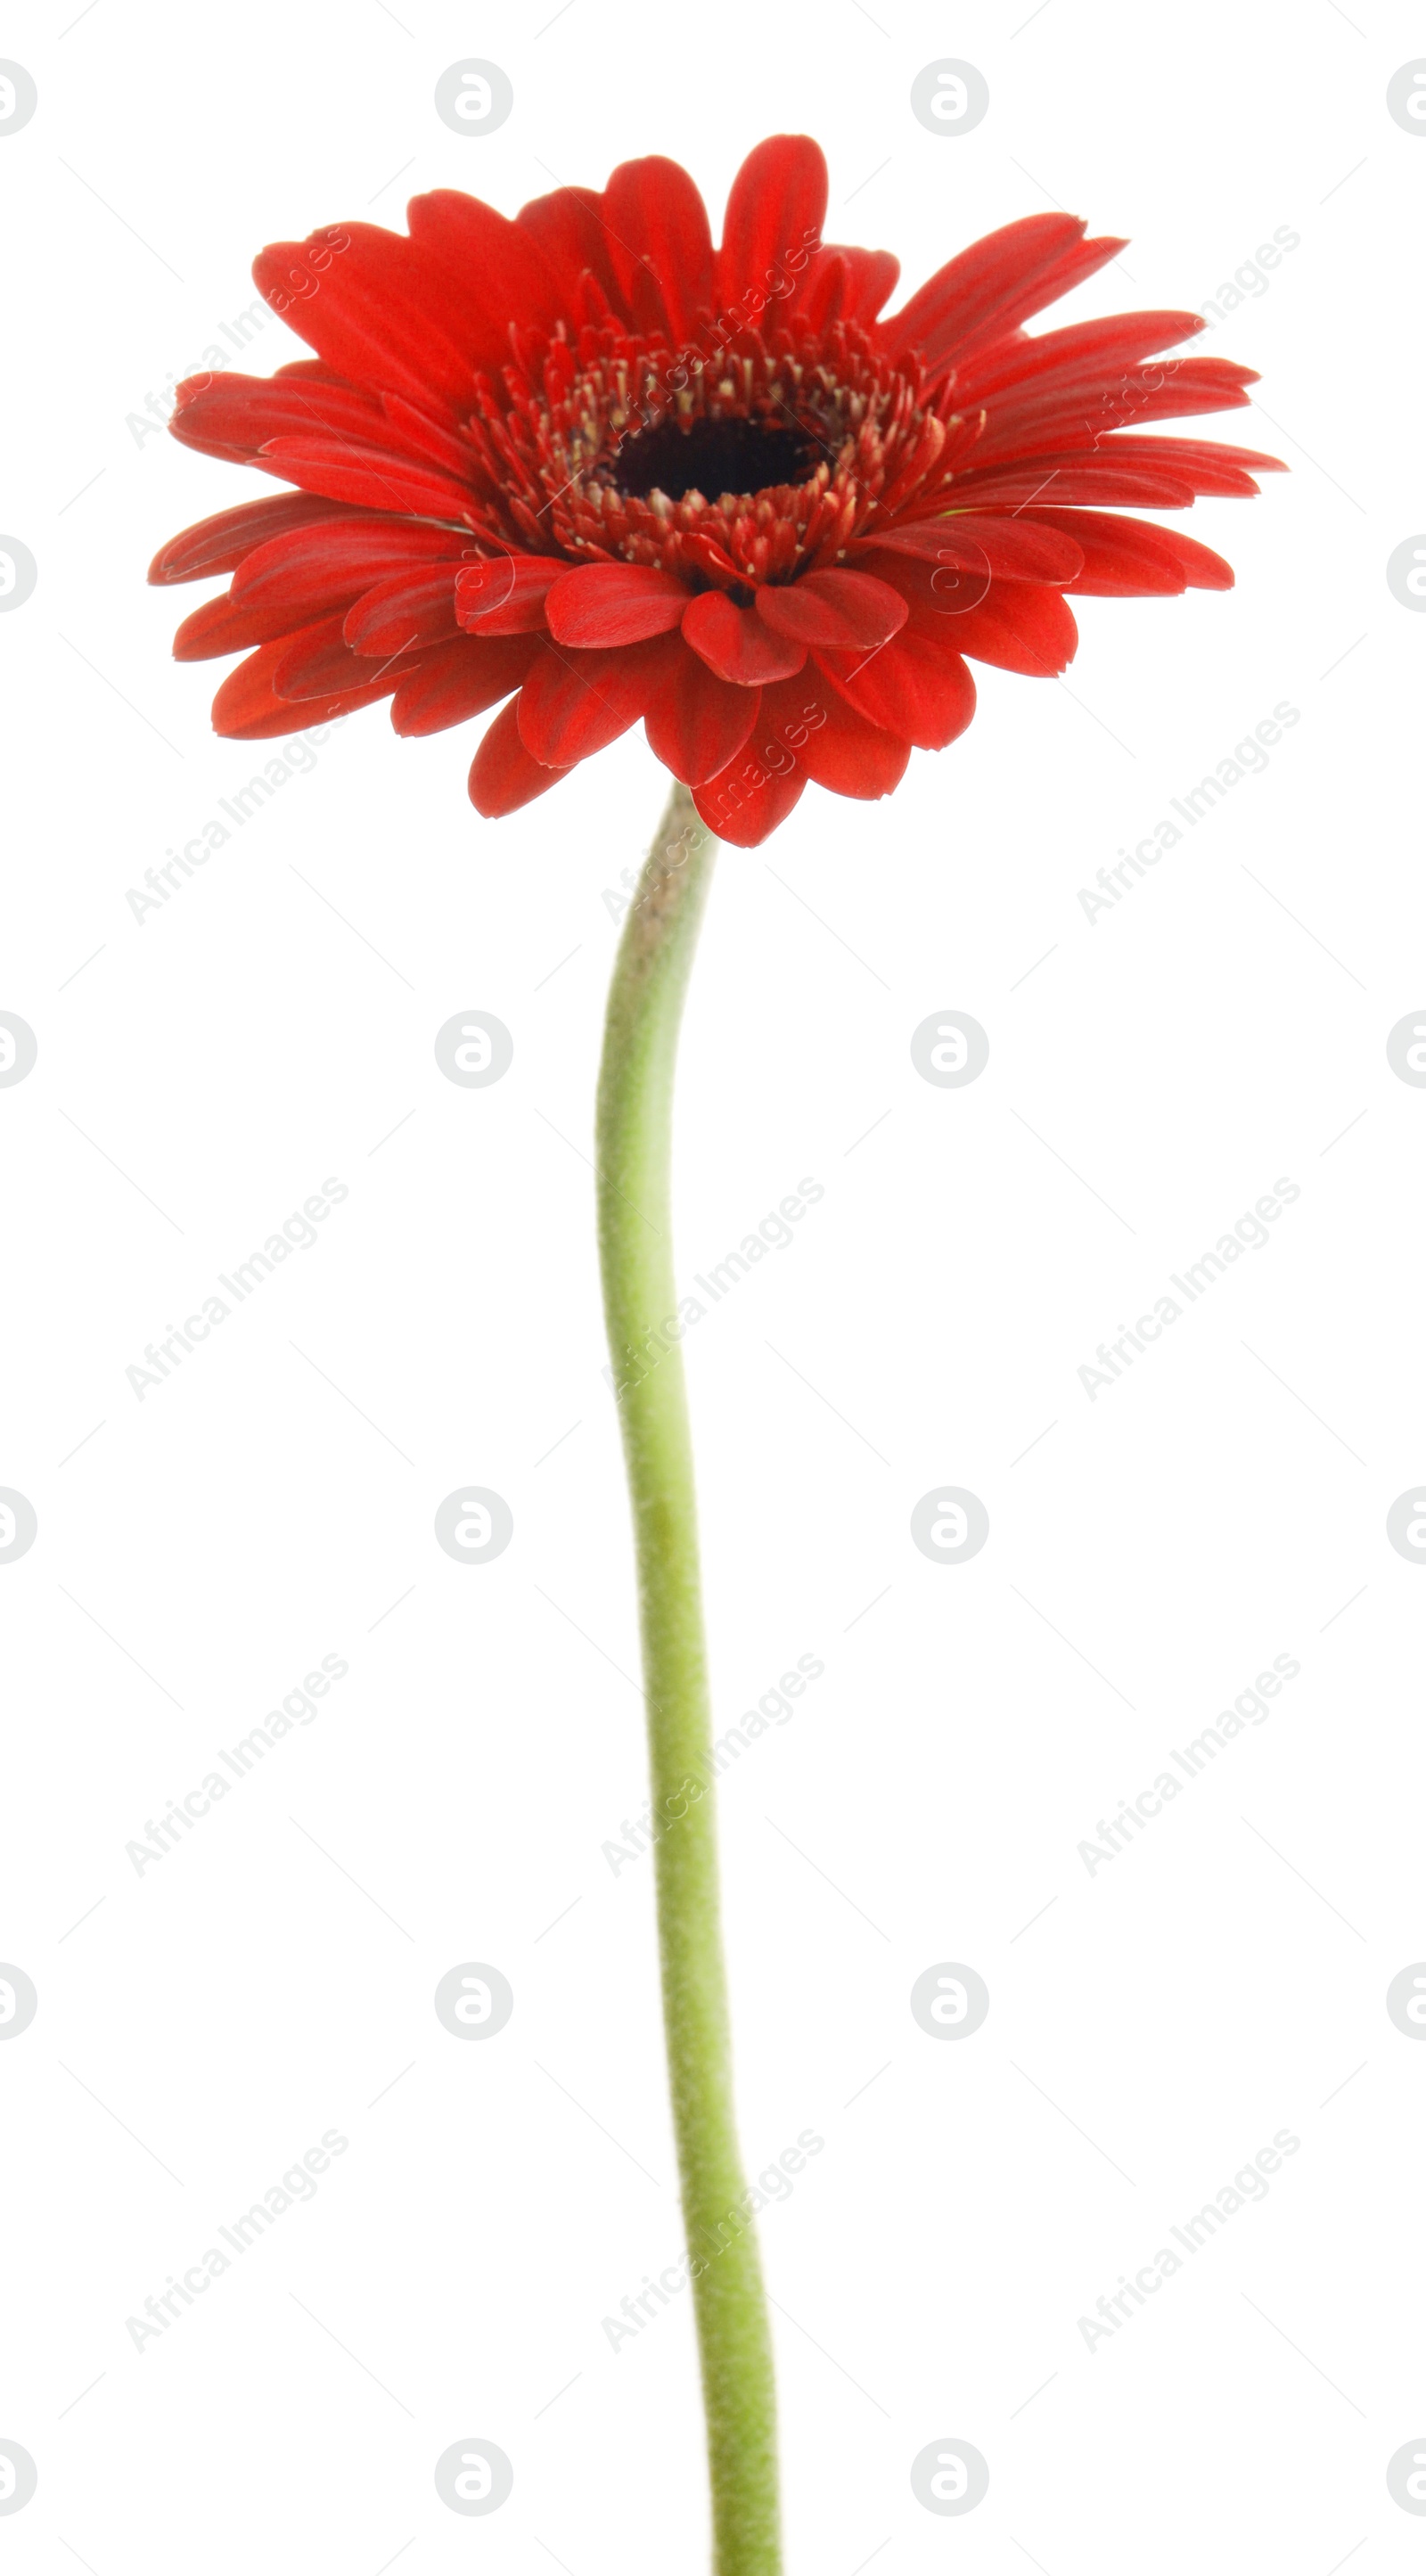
[(635, 1240)]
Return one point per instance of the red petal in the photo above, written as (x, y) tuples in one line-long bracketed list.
[(248, 709), (375, 307), (1202, 568), (1118, 340), (233, 416), (916, 687), (505, 595), (370, 476), (615, 603), (1011, 549), (827, 293), (221, 543), (838, 610), (573, 238), (842, 750), (697, 723), (490, 269), (747, 800), (460, 680), (410, 608), (701, 551), (572, 704), (1070, 479), (775, 210), (1082, 260), (803, 731), (1036, 420), (318, 664), (736, 644), (503, 776), (658, 223), (976, 288), (226, 626), (1021, 627), (312, 369), (338, 558), (413, 433), (1128, 559), (845, 285), (1202, 463)]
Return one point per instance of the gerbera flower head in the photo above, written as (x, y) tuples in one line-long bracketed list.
[(585, 463)]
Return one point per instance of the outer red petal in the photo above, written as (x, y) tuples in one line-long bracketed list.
[(460, 680), (1070, 479), (1202, 568), (371, 476), (845, 285), (1130, 559), (1117, 340), (375, 307), (410, 608), (659, 224), (226, 626), (1032, 420), (573, 238), (1021, 626), (505, 594), (318, 664), (572, 704), (697, 722), (775, 213), (747, 800), (613, 603), (339, 557), (916, 687), (247, 707), (736, 644), (234, 417), (976, 288), (838, 610), (503, 775), (846, 752), (804, 730), (1204, 465), (221, 543), (413, 433), (1011, 549), (1082, 260), (1025, 626), (491, 270)]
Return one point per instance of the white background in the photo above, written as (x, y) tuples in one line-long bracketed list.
[(1151, 1075)]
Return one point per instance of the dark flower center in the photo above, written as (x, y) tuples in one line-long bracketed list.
[(713, 457), (755, 467)]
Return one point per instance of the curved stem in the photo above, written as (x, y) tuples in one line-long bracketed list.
[(641, 1310)]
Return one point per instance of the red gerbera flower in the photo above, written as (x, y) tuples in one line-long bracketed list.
[(586, 458)]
